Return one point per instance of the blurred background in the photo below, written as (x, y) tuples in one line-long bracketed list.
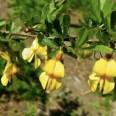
[(25, 97)]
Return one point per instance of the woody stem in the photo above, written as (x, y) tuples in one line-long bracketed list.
[(18, 34)]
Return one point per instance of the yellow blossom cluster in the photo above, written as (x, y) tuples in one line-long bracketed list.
[(53, 69), (10, 68), (35, 51), (53, 73), (103, 75)]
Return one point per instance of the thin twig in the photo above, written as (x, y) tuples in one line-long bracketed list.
[(18, 34), (30, 35), (33, 36)]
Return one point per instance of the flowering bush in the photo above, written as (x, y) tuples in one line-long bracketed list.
[(41, 40), (104, 72)]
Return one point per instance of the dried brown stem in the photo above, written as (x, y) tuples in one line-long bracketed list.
[(18, 34)]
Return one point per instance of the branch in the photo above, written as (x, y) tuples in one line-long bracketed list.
[(32, 35), (18, 34), (75, 25)]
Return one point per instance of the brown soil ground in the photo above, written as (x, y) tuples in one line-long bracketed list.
[(74, 95)]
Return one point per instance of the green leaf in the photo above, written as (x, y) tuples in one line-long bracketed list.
[(49, 42), (108, 22), (113, 20), (95, 9), (70, 50), (52, 7), (54, 10), (2, 23), (102, 2), (2, 65), (2, 39), (65, 23), (52, 15), (53, 53), (15, 45), (44, 14), (113, 34), (83, 37), (102, 49), (107, 7), (114, 6)]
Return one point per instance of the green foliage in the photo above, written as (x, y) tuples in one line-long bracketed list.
[(2, 63), (97, 27), (29, 11), (54, 20), (83, 37), (65, 23), (31, 109), (77, 3), (49, 20), (2, 23), (102, 48)]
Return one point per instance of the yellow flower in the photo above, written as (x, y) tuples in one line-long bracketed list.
[(10, 68), (9, 71), (5, 55), (37, 51), (102, 78), (49, 83), (53, 73), (55, 68)]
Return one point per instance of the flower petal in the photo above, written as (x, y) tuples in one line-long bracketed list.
[(27, 54), (111, 68), (44, 80), (59, 69), (8, 68), (93, 82), (37, 62), (58, 85), (101, 84), (54, 84), (4, 80), (54, 67), (5, 55), (100, 67), (49, 66), (108, 86), (49, 83), (14, 69), (41, 51), (35, 44)]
